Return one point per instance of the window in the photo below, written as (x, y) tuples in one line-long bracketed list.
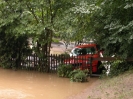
[(83, 51)]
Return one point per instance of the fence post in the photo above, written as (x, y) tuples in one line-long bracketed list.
[(90, 62)]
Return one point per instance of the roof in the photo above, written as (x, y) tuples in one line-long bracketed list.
[(86, 45)]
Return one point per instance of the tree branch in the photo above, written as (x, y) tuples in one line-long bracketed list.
[(51, 13), (42, 16), (32, 11)]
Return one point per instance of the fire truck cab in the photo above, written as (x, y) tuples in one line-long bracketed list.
[(80, 55)]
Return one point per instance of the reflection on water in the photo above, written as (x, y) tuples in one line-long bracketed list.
[(35, 85)]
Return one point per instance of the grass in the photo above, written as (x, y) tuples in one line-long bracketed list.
[(120, 87)]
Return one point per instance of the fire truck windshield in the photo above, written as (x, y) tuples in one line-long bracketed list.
[(83, 51)]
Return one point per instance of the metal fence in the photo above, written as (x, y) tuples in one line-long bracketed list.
[(46, 64), (51, 62)]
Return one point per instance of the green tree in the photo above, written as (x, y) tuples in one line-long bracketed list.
[(74, 25), (112, 25), (13, 46), (35, 19)]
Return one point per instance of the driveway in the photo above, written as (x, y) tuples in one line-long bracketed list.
[(58, 48)]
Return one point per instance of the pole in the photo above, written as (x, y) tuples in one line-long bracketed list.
[(90, 61)]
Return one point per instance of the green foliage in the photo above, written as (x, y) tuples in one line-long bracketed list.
[(111, 26), (75, 75), (55, 40), (63, 70), (115, 70), (118, 67), (65, 55), (20, 20), (13, 37), (78, 75), (109, 22), (13, 49)]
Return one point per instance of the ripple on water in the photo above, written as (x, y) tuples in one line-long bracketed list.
[(13, 94)]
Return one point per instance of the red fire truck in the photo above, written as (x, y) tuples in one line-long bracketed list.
[(80, 57)]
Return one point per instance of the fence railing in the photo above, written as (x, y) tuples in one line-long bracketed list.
[(48, 63), (112, 59), (51, 62)]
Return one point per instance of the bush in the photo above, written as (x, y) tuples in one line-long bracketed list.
[(64, 70), (78, 75), (118, 67)]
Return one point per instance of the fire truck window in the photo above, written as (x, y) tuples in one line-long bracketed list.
[(83, 51), (91, 50)]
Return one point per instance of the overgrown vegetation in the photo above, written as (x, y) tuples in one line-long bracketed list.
[(75, 75), (13, 50), (116, 68), (63, 70), (119, 67), (111, 26), (78, 75)]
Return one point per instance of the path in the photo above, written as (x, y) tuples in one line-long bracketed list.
[(58, 48)]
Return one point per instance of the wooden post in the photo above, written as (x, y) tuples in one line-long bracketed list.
[(90, 62)]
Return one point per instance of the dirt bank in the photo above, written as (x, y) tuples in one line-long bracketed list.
[(120, 87)]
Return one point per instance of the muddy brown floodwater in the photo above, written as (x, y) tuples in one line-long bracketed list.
[(35, 85)]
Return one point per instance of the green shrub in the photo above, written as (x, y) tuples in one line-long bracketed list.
[(75, 75), (78, 75), (65, 54), (118, 67), (64, 70), (114, 69)]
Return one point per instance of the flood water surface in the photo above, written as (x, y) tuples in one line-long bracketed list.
[(35, 85)]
